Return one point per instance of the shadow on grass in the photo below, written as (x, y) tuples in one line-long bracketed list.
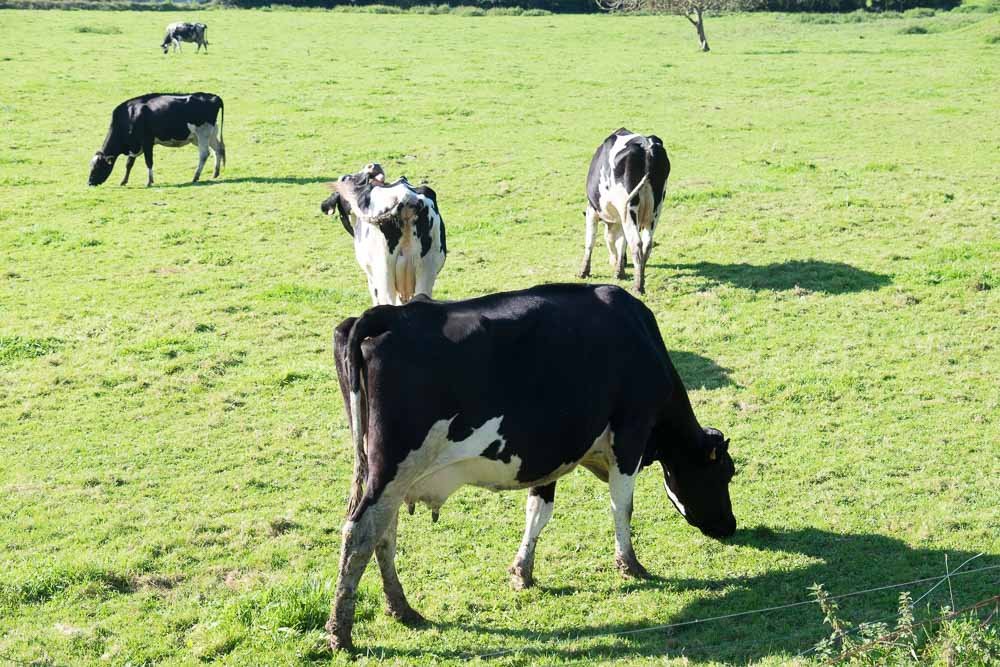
[(844, 564), (812, 275), (279, 180), (699, 372)]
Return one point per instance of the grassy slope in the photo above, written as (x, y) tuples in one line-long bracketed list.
[(174, 453)]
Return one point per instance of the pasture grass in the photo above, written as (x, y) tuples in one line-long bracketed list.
[(174, 457)]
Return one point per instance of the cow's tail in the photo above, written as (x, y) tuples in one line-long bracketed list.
[(635, 190), (222, 118), (372, 323)]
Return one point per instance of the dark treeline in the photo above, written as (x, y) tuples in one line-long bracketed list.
[(558, 6)]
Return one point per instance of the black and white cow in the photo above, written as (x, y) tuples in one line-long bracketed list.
[(492, 392), (185, 32), (169, 120), (399, 237), (625, 188)]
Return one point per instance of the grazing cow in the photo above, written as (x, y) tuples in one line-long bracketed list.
[(169, 120), (398, 233), (625, 188), (185, 32), (494, 392)]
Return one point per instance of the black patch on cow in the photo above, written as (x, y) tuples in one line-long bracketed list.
[(459, 430), (423, 227), (393, 232), (546, 493), (493, 452)]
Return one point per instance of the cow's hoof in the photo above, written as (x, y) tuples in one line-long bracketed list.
[(519, 579), (340, 643), (338, 640), (407, 616), (630, 567), (585, 272)]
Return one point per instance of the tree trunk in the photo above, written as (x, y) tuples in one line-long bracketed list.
[(700, 27)]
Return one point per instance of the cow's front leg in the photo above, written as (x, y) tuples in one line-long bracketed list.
[(590, 230), (537, 512), (359, 537), (395, 599), (128, 168), (622, 486)]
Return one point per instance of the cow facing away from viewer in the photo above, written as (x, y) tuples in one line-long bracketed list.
[(492, 392), (168, 120), (625, 187), (399, 237), (185, 32)]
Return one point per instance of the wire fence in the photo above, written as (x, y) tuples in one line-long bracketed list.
[(938, 580)]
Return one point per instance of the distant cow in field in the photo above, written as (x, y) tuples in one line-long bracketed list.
[(399, 237), (169, 120), (513, 391), (625, 188), (185, 32)]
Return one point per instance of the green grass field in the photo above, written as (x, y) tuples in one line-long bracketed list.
[(174, 456)]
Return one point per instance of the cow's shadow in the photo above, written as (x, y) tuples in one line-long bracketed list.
[(843, 563), (809, 275), (277, 180), (699, 372)]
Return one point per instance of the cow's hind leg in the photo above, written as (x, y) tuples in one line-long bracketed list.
[(537, 512), (204, 134), (630, 229), (219, 149), (590, 230), (395, 599), (622, 486), (147, 154), (361, 533), (615, 239)]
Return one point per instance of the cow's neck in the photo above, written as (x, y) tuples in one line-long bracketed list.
[(113, 144), (678, 426)]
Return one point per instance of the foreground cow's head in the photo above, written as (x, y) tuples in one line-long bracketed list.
[(350, 192), (100, 168), (697, 481)]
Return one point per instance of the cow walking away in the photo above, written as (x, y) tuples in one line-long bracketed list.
[(185, 32), (399, 237), (625, 188), (168, 120), (502, 392)]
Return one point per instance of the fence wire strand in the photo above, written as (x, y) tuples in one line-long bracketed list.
[(751, 612)]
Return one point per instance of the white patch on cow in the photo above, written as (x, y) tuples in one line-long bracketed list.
[(674, 499), (447, 464), (537, 514)]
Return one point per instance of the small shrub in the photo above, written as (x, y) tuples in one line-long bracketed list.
[(468, 11), (98, 30), (919, 13), (537, 12), (17, 347), (913, 30)]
